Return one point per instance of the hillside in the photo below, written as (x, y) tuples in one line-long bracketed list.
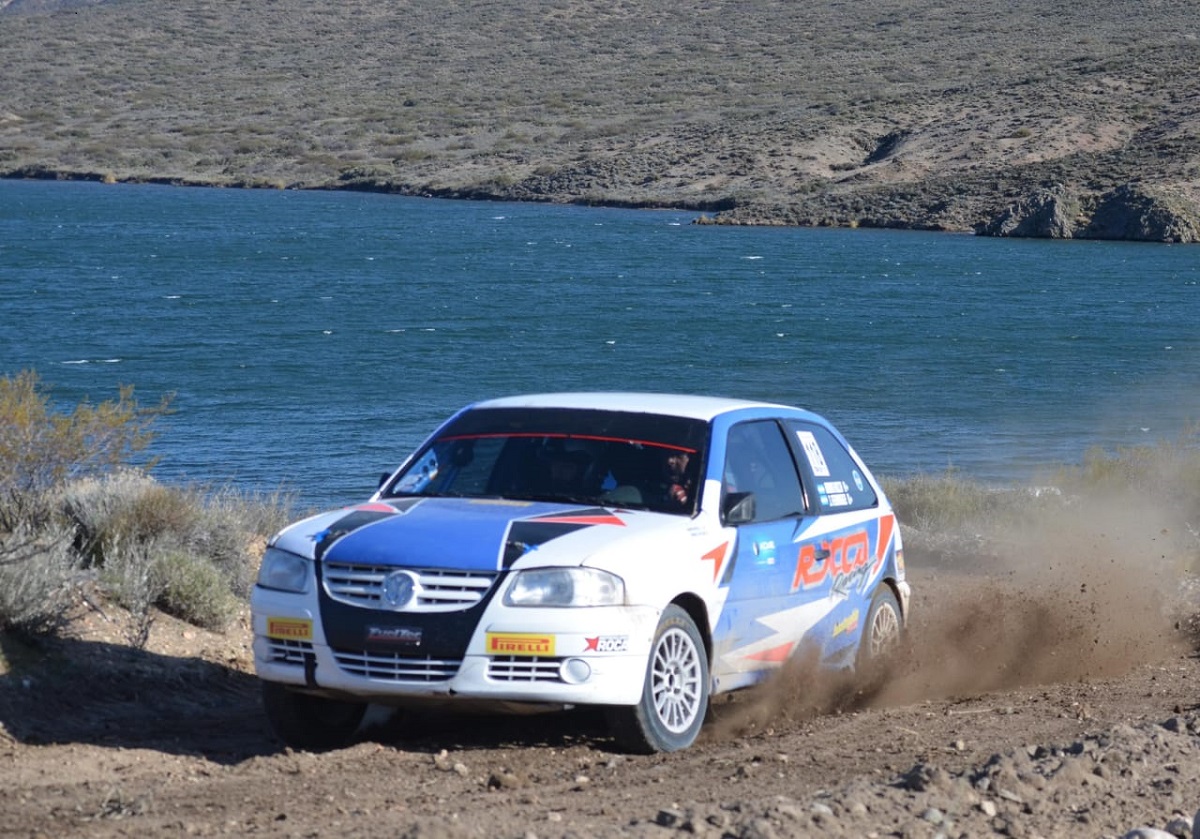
[(1010, 117)]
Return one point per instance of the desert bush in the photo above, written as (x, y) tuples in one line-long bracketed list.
[(1161, 483), (131, 580), (945, 502), (1168, 471), (38, 571), (192, 588), (198, 547), (41, 447), (73, 508), (232, 528)]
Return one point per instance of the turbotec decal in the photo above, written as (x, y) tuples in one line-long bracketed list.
[(519, 644), (404, 636)]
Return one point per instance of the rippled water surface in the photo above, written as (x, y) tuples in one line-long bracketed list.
[(313, 339)]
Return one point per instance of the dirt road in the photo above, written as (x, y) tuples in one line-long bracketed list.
[(1033, 704)]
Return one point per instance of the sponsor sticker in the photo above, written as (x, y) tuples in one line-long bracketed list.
[(847, 624), (519, 643), (764, 552), (834, 494), (402, 635), (606, 644), (812, 450), (290, 629)]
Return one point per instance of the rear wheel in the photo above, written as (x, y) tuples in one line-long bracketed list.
[(881, 637), (312, 723), (675, 693)]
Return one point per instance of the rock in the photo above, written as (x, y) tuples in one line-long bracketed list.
[(1147, 833), (506, 780), (1129, 212), (821, 810), (669, 818), (1141, 214), (923, 777), (933, 815), (1050, 213), (1180, 827)]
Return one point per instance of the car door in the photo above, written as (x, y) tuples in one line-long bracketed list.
[(842, 559), (776, 595)]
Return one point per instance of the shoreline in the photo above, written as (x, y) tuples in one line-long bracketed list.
[(1127, 213), (999, 119)]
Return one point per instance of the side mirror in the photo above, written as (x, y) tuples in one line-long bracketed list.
[(738, 507), (383, 479)]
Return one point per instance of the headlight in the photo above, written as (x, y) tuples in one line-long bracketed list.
[(283, 571), (565, 587)]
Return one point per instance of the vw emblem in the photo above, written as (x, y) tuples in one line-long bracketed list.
[(399, 587)]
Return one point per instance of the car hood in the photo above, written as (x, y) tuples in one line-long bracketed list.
[(466, 534)]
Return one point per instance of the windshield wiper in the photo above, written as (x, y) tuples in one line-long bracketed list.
[(552, 498)]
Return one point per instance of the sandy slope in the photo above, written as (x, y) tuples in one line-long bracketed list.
[(887, 113)]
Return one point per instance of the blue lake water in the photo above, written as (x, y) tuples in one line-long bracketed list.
[(312, 339)]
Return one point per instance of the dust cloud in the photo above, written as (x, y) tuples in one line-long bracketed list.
[(1081, 592)]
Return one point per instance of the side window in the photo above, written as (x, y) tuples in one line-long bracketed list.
[(839, 480), (758, 460)]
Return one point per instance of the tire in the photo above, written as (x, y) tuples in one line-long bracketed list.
[(675, 693), (310, 723), (881, 638)]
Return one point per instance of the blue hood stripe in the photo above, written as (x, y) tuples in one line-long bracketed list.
[(454, 533)]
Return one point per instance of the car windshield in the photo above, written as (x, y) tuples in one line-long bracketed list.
[(593, 458)]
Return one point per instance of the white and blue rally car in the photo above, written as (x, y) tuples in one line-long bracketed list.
[(639, 552)]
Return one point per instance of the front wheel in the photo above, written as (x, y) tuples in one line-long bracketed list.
[(312, 723), (675, 693)]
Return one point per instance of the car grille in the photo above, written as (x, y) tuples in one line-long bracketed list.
[(438, 590), (393, 667), (514, 669), (289, 652)]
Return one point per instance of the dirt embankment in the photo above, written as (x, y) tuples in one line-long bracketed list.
[(1007, 118), (1050, 690)]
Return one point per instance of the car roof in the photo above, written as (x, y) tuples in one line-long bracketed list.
[(673, 404)]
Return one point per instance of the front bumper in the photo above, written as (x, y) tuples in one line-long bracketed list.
[(593, 656)]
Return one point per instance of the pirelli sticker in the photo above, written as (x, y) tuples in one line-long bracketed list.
[(290, 629), (519, 643)]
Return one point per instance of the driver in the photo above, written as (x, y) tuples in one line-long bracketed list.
[(678, 482)]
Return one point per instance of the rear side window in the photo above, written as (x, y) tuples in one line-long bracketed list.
[(838, 479)]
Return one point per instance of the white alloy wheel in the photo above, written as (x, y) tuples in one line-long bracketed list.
[(675, 694)]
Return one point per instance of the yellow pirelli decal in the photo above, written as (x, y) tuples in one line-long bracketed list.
[(513, 643), (290, 629)]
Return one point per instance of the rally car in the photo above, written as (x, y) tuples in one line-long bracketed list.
[(638, 552)]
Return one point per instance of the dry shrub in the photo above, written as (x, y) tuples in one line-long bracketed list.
[(191, 552), (193, 589), (71, 502), (38, 570), (129, 578), (40, 447)]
